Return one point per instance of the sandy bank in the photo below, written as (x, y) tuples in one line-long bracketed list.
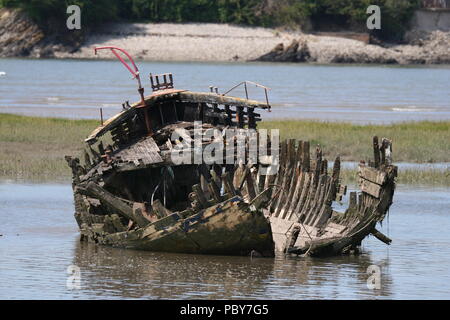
[(219, 42), (183, 42), (19, 36)]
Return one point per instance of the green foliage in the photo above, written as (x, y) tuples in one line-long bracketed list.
[(395, 14)]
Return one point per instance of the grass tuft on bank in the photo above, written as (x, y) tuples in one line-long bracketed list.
[(33, 148)]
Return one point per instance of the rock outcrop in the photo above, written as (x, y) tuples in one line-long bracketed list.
[(432, 48), (18, 33), (297, 51), (20, 36)]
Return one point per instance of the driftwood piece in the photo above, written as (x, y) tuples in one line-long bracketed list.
[(380, 236)]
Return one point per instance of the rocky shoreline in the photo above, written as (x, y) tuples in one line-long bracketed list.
[(20, 37), (432, 48)]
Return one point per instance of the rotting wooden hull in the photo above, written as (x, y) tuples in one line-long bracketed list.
[(132, 195), (302, 217), (229, 227)]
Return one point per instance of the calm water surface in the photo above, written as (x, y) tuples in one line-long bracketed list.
[(361, 94), (40, 241)]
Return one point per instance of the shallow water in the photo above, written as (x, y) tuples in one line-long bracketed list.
[(40, 241), (361, 94)]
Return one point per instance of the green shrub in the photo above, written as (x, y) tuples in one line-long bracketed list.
[(395, 14)]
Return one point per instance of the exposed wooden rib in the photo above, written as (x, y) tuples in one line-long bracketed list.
[(215, 191), (310, 198), (228, 184), (305, 157), (317, 165), (305, 191), (243, 177), (280, 176), (289, 180), (317, 200), (376, 152), (323, 210), (160, 210), (300, 180), (299, 154), (324, 169), (353, 203), (237, 176), (200, 196), (250, 186)]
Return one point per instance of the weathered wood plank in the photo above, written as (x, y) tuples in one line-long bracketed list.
[(370, 188), (372, 174)]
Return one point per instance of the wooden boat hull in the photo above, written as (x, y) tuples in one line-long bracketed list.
[(228, 228), (303, 219), (131, 193)]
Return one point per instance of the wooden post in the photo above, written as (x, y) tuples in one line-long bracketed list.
[(240, 116), (376, 152), (250, 186), (305, 157), (251, 118)]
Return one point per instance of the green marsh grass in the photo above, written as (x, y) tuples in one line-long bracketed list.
[(415, 142), (33, 148)]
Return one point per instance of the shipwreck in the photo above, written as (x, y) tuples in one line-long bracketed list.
[(129, 192)]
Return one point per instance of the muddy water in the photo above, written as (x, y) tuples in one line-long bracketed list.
[(361, 94), (40, 241)]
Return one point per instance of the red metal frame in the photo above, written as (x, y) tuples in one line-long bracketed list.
[(135, 74)]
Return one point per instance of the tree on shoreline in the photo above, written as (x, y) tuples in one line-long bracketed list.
[(329, 15)]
